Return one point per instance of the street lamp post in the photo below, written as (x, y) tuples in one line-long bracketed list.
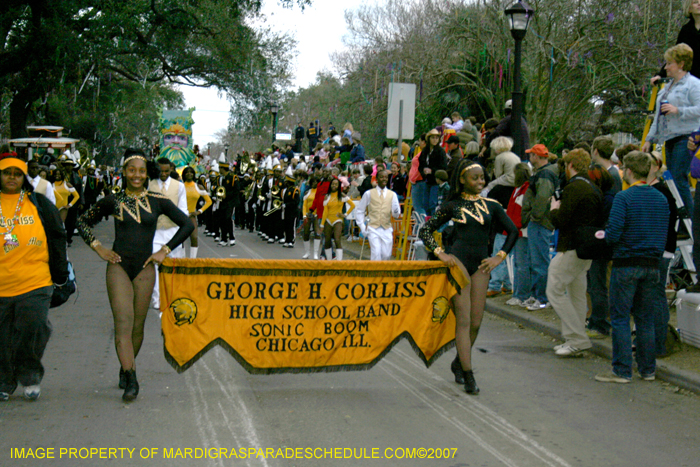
[(274, 108), (519, 16), (226, 151)]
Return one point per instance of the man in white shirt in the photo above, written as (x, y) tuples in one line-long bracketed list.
[(381, 204), (174, 190), (40, 185)]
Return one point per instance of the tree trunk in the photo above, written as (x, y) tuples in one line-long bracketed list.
[(19, 112)]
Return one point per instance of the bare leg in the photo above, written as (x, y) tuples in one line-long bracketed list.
[(194, 241), (328, 234), (307, 229), (64, 214), (337, 233)]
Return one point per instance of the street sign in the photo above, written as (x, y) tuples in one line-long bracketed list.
[(401, 116)]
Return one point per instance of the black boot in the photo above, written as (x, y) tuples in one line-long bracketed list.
[(132, 386), (470, 383), (122, 378), (456, 368)]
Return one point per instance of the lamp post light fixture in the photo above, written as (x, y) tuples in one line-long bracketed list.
[(519, 16), (226, 151), (274, 109)]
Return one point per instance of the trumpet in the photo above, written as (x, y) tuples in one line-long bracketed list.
[(276, 206), (275, 190), (116, 189), (220, 192)]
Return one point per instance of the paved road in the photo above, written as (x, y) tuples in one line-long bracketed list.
[(534, 410)]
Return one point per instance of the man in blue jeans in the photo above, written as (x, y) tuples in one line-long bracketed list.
[(536, 217), (636, 230)]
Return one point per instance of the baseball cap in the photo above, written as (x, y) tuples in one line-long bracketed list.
[(539, 149), (454, 139)]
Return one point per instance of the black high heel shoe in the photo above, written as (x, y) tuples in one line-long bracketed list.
[(122, 378), (456, 368), (132, 386), (470, 383)]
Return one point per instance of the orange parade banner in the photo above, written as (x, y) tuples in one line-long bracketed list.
[(298, 316)]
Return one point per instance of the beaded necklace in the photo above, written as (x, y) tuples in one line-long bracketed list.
[(11, 241)]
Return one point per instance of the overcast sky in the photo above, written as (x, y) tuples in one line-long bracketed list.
[(318, 31)]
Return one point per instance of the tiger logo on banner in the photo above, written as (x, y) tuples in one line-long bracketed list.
[(301, 316)]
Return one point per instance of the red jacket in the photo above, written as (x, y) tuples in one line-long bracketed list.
[(515, 207)]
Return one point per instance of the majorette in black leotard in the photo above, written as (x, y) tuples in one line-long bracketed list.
[(135, 219), (473, 219)]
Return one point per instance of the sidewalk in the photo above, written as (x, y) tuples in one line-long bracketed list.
[(681, 368)]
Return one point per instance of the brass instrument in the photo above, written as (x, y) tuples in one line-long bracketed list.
[(244, 167), (220, 192), (116, 189), (275, 190), (248, 190), (276, 206)]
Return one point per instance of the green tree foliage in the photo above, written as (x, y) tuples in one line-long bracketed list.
[(50, 46), (585, 68)]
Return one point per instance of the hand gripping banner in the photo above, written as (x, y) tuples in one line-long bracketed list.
[(306, 316)]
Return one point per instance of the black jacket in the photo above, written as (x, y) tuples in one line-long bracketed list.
[(436, 161), (55, 237)]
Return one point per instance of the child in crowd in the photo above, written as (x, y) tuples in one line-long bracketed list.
[(443, 186)]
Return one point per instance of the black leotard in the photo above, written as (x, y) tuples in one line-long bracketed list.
[(135, 220), (473, 220)]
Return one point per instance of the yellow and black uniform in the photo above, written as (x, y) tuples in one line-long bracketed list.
[(65, 197), (193, 195), (333, 207)]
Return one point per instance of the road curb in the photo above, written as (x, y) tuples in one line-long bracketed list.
[(669, 373)]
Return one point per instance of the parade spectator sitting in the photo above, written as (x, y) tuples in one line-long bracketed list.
[(357, 154), (456, 122)]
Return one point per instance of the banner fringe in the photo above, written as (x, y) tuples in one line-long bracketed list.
[(319, 369)]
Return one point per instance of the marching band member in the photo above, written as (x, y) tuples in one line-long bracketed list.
[(231, 187), (175, 191), (333, 216), (194, 192), (310, 221), (291, 211), (40, 185)]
